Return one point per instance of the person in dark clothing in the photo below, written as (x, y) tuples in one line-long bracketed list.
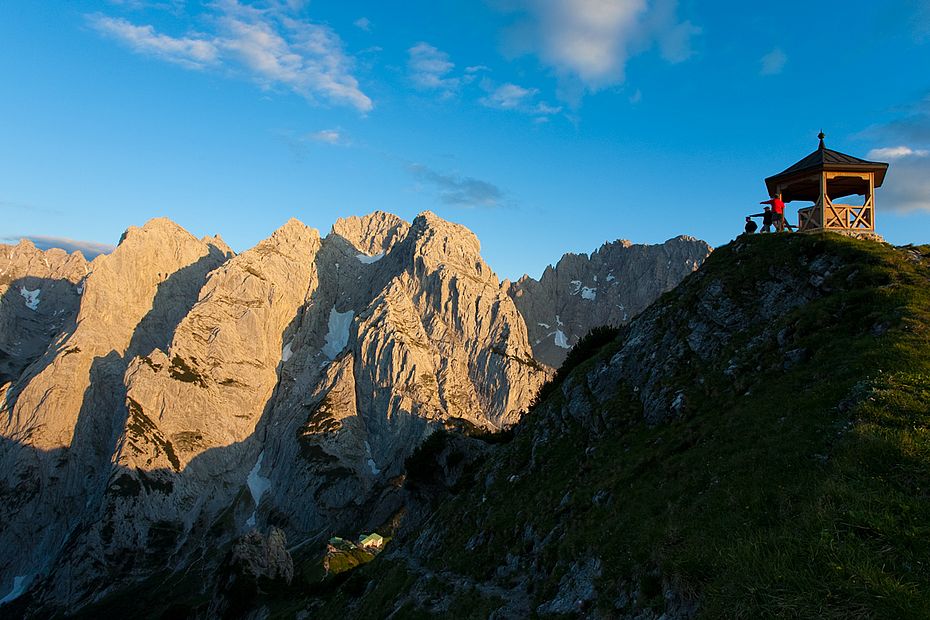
[(766, 219), (751, 226), (778, 207)]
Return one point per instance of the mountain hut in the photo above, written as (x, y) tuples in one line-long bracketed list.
[(823, 177)]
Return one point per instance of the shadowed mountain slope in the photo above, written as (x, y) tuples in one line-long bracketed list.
[(171, 412), (608, 287), (754, 444)]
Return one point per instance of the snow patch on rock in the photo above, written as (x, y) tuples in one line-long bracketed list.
[(257, 484), (561, 340), (31, 297), (365, 259), (20, 582), (286, 352), (338, 335), (589, 293), (371, 462), (576, 284)]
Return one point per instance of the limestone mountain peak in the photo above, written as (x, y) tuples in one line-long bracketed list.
[(186, 386), (372, 234)]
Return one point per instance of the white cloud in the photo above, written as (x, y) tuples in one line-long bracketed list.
[(907, 182), (457, 190), (674, 37), (773, 63), (513, 97), (509, 97), (588, 42), (430, 69), (363, 23), (90, 249), (328, 136), (897, 152), (269, 44), (190, 52)]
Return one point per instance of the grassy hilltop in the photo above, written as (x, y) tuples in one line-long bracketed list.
[(763, 449)]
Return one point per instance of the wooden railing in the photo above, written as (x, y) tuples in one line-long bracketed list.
[(835, 217)]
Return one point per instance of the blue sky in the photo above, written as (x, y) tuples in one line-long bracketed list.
[(545, 126)]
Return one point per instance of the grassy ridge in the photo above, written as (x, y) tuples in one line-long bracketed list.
[(791, 491)]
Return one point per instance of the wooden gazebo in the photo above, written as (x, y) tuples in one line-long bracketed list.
[(823, 177)]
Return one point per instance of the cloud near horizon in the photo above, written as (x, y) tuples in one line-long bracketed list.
[(907, 184), (587, 43), (457, 190), (90, 249), (269, 45)]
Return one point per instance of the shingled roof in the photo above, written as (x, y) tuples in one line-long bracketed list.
[(827, 159)]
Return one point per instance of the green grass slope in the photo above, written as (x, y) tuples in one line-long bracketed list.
[(793, 482)]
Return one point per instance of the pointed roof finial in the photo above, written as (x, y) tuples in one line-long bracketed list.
[(821, 136)]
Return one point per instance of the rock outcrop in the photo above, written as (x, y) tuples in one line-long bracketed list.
[(609, 287), (172, 399), (39, 298), (198, 396), (780, 390), (388, 349)]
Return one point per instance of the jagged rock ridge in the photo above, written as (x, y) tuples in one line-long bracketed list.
[(197, 396), (768, 414), (609, 287), (178, 396)]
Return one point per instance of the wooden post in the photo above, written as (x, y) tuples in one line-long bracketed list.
[(824, 198)]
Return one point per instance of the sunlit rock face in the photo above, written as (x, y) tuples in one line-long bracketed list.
[(61, 419), (609, 287), (401, 335), (165, 400), (193, 395), (39, 297)]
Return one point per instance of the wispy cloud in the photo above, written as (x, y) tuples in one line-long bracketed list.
[(363, 23), (897, 152), (517, 98), (327, 136), (587, 43), (90, 249), (907, 134), (773, 63), (172, 6), (301, 144), (907, 184), (19, 206), (911, 125), (270, 45), (457, 190), (190, 52), (431, 69)]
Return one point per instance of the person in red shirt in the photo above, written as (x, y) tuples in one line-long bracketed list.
[(778, 209)]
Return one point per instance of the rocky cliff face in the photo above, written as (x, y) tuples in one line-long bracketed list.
[(182, 396), (39, 298), (167, 399), (685, 467), (609, 287), (61, 419)]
